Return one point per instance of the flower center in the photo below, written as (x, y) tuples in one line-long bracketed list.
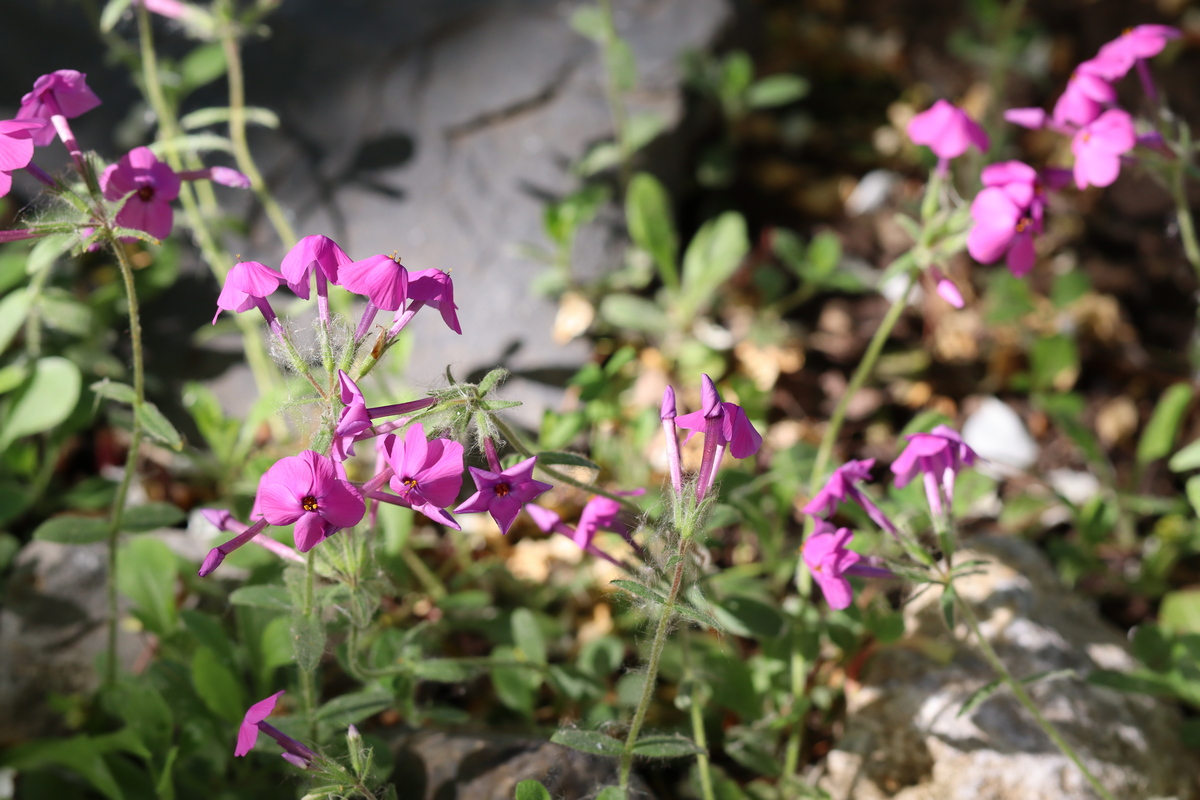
[(309, 503), (1087, 135), (1023, 223), (1127, 31), (146, 193), (502, 489)]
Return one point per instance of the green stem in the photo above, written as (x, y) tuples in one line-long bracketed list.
[(799, 679), (861, 373), (429, 582), (266, 377), (1024, 699), (237, 130), (703, 764), (308, 686), (612, 92), (656, 651), (1187, 228), (135, 444)]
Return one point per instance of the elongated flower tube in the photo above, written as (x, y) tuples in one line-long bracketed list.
[(224, 521), (724, 424), (254, 723), (550, 522), (667, 414)]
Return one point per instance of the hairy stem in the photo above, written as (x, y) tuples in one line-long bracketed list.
[(656, 651), (861, 373)]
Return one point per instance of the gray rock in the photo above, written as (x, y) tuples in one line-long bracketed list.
[(52, 632), (905, 740), (997, 434), (431, 765)]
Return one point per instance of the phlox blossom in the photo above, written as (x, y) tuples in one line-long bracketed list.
[(841, 488), (382, 279), (62, 93), (946, 130), (150, 185), (16, 148), (939, 456), (1098, 148), (427, 473), (254, 722), (309, 491), (312, 254), (502, 493), (830, 561), (1086, 95), (433, 288), (1116, 58)]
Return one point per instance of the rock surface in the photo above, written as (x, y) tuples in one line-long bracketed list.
[(904, 739), (433, 765), (52, 632)]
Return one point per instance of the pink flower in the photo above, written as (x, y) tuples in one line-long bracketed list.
[(225, 521), (1098, 148), (310, 254), (151, 186), (1002, 229), (827, 558), (840, 488), (503, 493), (1086, 95), (254, 722), (309, 491), (946, 130), (600, 513), (16, 148), (62, 93), (939, 455), (246, 287), (382, 279), (354, 418), (171, 9), (1032, 118), (734, 427), (433, 287), (427, 473), (1116, 58)]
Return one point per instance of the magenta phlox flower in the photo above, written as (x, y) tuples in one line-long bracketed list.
[(603, 514), (151, 186), (433, 287), (1032, 118), (735, 428), (841, 488), (16, 148), (254, 722), (938, 455), (1002, 229), (830, 561), (312, 254), (382, 279), (503, 493), (247, 286), (946, 130), (223, 520), (309, 491), (226, 176), (63, 93), (171, 9), (1116, 58), (550, 522), (1086, 95), (1098, 148), (354, 418), (427, 473)]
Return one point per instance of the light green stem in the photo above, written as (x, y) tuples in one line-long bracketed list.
[(699, 735), (1024, 699), (612, 91), (798, 666), (135, 444), (861, 373), (1183, 209), (656, 651), (308, 682)]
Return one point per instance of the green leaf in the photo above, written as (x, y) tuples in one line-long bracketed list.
[(146, 570), (746, 616), (273, 597), (666, 746), (601, 657), (559, 457), (947, 601), (1180, 611), (151, 516), (592, 742), (62, 312), (611, 793), (276, 644), (46, 399), (979, 696), (776, 90), (591, 22), (531, 790), (216, 685), (528, 636), (1054, 362), (308, 641), (514, 685), (192, 143), (48, 250), (12, 376), (72, 530), (443, 670), (648, 214), (644, 592), (13, 310), (350, 709), (158, 426), (113, 390), (640, 129), (696, 615), (1139, 681), (1192, 487), (1187, 458), (79, 754), (1159, 436), (201, 66), (633, 313), (112, 14), (712, 257), (217, 115)]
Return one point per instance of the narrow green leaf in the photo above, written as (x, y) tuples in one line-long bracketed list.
[(749, 617), (48, 250), (648, 214), (194, 143), (712, 257), (638, 590), (696, 615), (947, 601), (274, 597), (666, 746), (79, 754), (158, 426), (113, 390), (443, 670), (350, 709), (1188, 458), (528, 636), (776, 90), (559, 457), (216, 685), (216, 115), (112, 14), (13, 310), (151, 516), (146, 570), (202, 66), (592, 742), (591, 22), (1180, 611), (978, 697), (72, 530), (1159, 436), (1192, 487), (12, 376), (633, 313)]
